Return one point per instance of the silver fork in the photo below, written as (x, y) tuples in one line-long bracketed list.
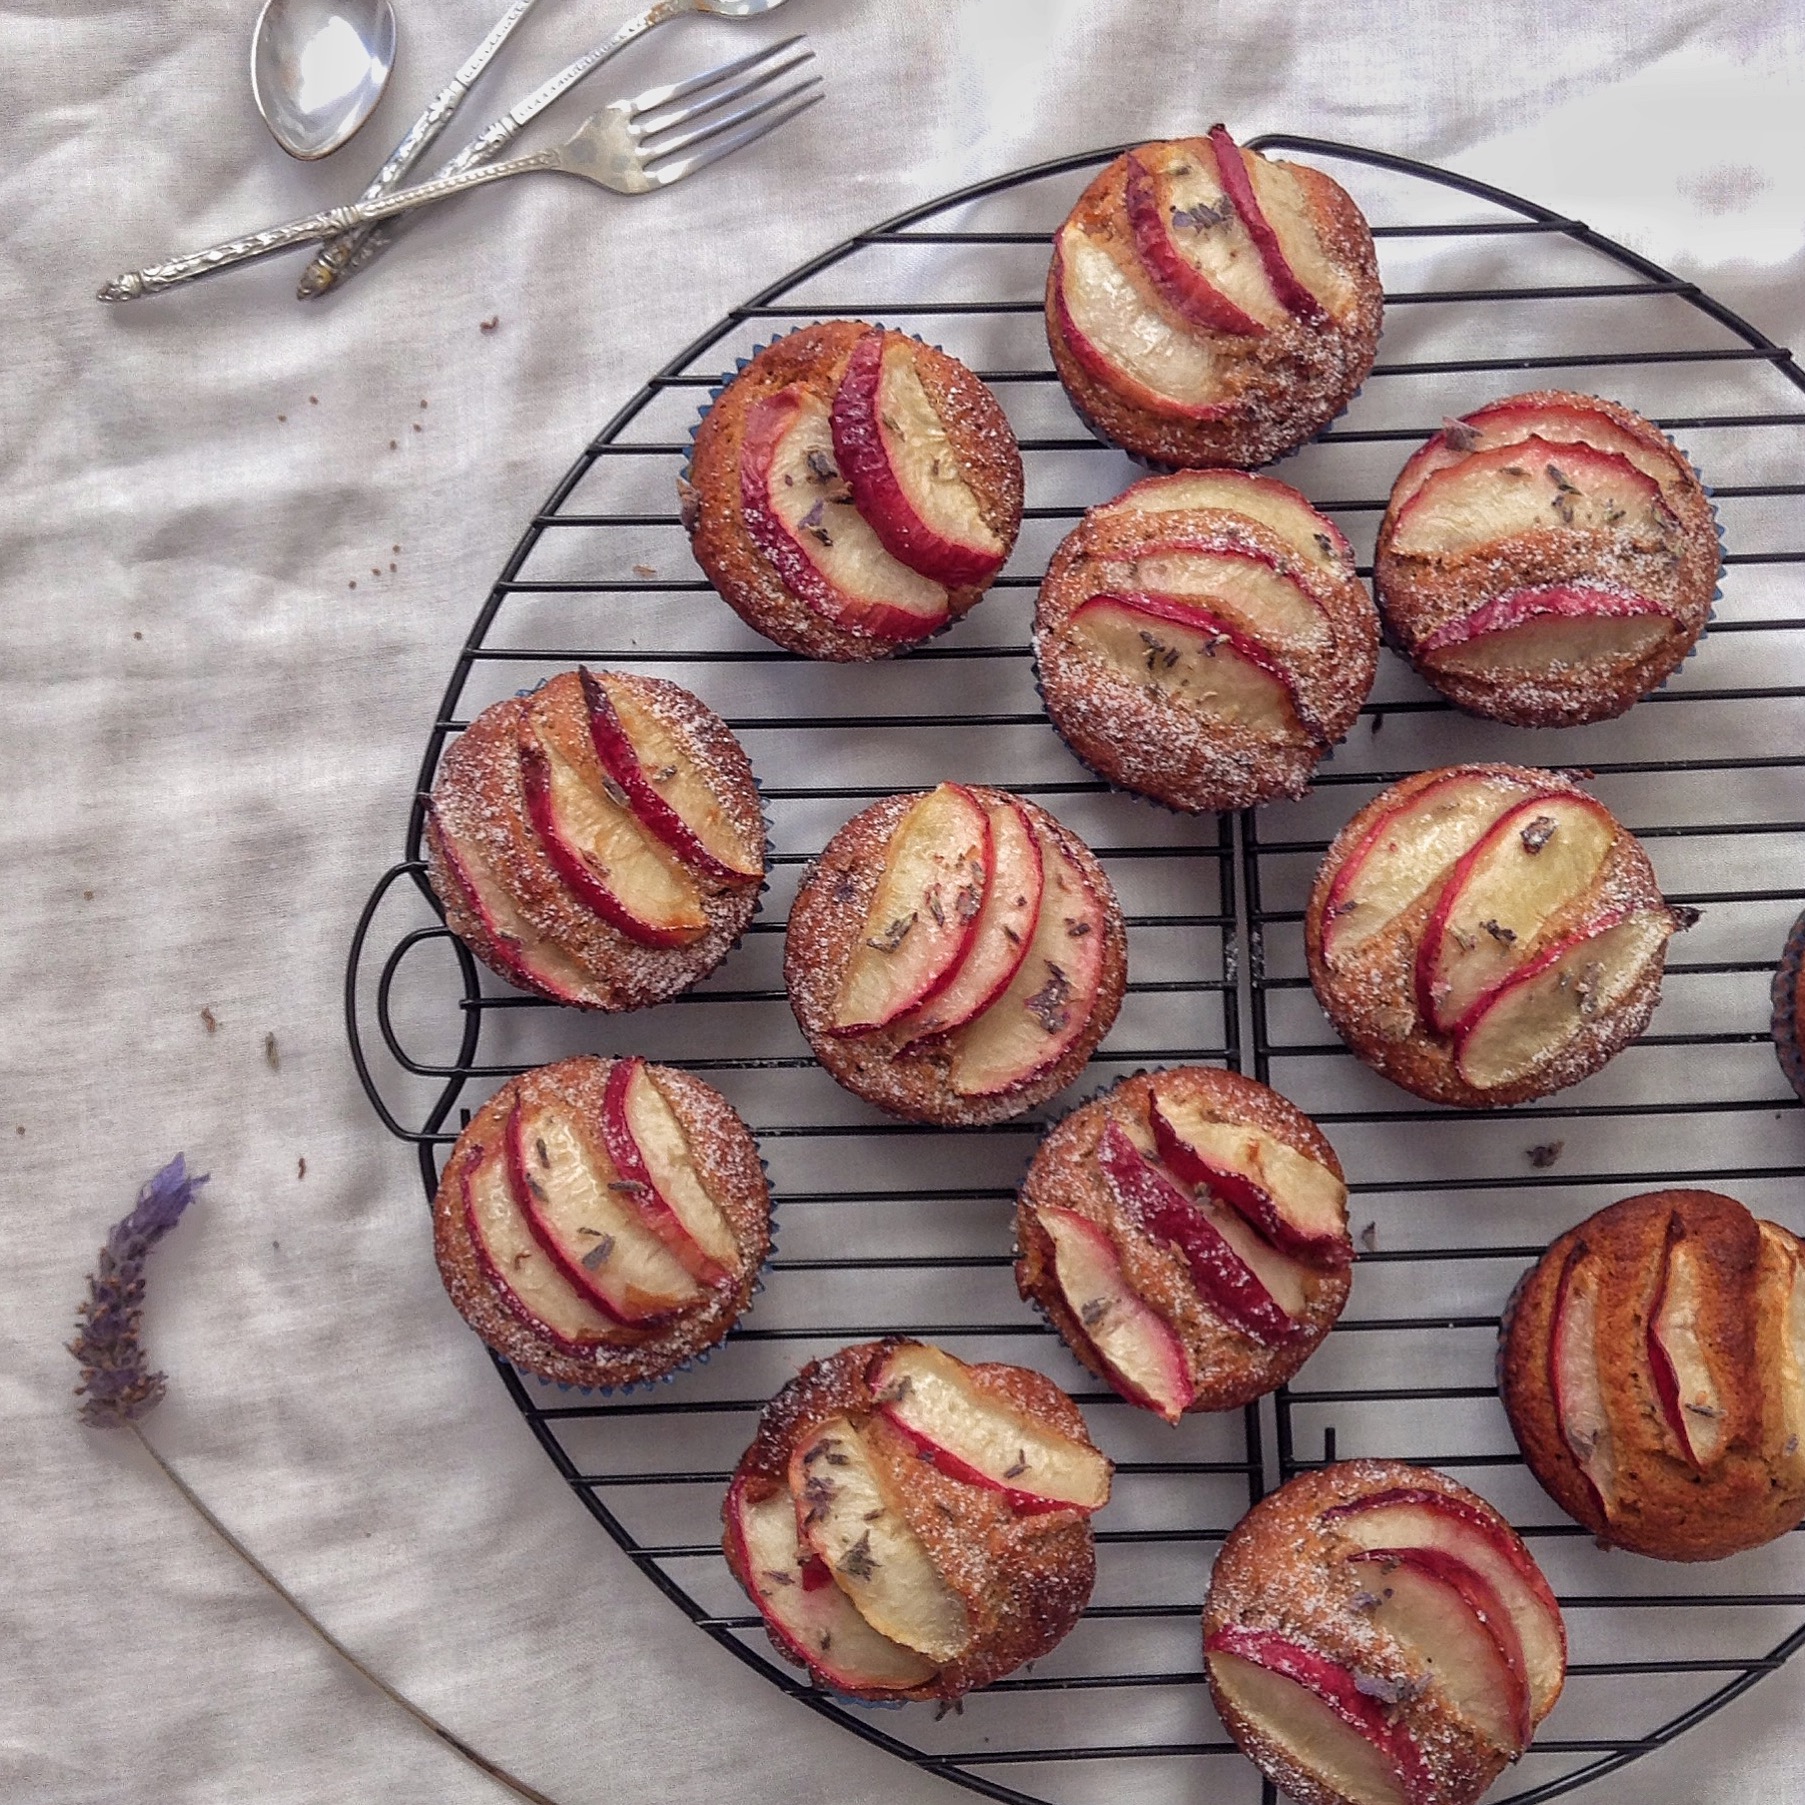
[(347, 254), (627, 147)]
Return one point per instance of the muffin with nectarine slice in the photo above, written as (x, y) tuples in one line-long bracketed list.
[(1186, 1233), (1548, 560), (1487, 934), (852, 491), (602, 1221), (599, 842), (1376, 1634), (1652, 1364), (1202, 639), (912, 1527), (955, 955), (1207, 305)]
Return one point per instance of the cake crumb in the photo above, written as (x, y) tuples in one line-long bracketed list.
[(210, 1021), (1369, 1237), (137, 636), (87, 896), (644, 570), (270, 1054), (490, 324), (1546, 1154), (301, 1166)]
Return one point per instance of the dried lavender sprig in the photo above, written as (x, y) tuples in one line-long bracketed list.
[(116, 1380)]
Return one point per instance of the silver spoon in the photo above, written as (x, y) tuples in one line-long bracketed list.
[(318, 68)]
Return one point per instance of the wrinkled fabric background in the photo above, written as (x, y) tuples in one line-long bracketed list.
[(240, 543)]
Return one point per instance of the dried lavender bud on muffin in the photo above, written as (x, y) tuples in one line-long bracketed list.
[(1789, 1015), (913, 1527), (1486, 934), (1186, 1233), (1203, 640), (1652, 1364), (955, 955), (1208, 306), (1548, 560), (852, 491), (1377, 1635), (599, 841), (602, 1221)]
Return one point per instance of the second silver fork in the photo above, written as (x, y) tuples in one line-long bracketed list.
[(351, 251)]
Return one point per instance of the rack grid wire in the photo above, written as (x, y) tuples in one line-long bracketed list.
[(888, 1227)]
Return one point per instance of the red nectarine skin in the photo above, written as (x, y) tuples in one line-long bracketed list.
[(878, 491), (1180, 283), (1224, 1281), (1292, 294)]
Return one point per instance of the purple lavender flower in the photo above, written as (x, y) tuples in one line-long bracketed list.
[(116, 1381)]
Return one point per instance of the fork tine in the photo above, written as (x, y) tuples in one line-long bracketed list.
[(719, 97), (679, 90), (656, 153), (666, 173)]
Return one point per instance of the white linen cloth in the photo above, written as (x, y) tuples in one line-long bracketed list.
[(241, 543)]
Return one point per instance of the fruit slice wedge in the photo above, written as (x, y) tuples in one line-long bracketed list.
[(518, 951), (1004, 931), (1413, 1517), (893, 450), (1449, 1615), (1192, 244), (529, 1283), (1136, 1346), (1227, 1279), (602, 852), (1574, 1380), (1117, 333), (658, 1175), (1179, 649), (1314, 1711), (1288, 1198), (1689, 1393), (804, 1610), (572, 1198), (1406, 851), (1313, 536), (977, 1435), (798, 510), (1545, 1004), (663, 786), (1547, 629), (1535, 860), (846, 1516), (1525, 487), (1236, 170), (1244, 585), (924, 913), (1049, 1002)]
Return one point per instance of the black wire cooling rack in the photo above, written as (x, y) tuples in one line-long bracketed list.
[(886, 1227)]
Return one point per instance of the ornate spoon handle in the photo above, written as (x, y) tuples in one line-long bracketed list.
[(335, 259), (349, 254), (152, 281)]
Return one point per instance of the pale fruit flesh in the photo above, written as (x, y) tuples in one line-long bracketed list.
[(1538, 859), (530, 1283), (818, 1621), (1255, 595), (1312, 536), (1116, 325), (1201, 229), (846, 1516), (1131, 1339), (1357, 1764), (1527, 488), (588, 1225), (1575, 1381), (1287, 212), (934, 1399), (923, 914), (1409, 1518), (1690, 1394), (1004, 931), (1407, 851), (1545, 632), (1550, 1002), (671, 1166), (1188, 656), (1049, 1002)]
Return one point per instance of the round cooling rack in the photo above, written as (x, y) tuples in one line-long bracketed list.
[(886, 1227)]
